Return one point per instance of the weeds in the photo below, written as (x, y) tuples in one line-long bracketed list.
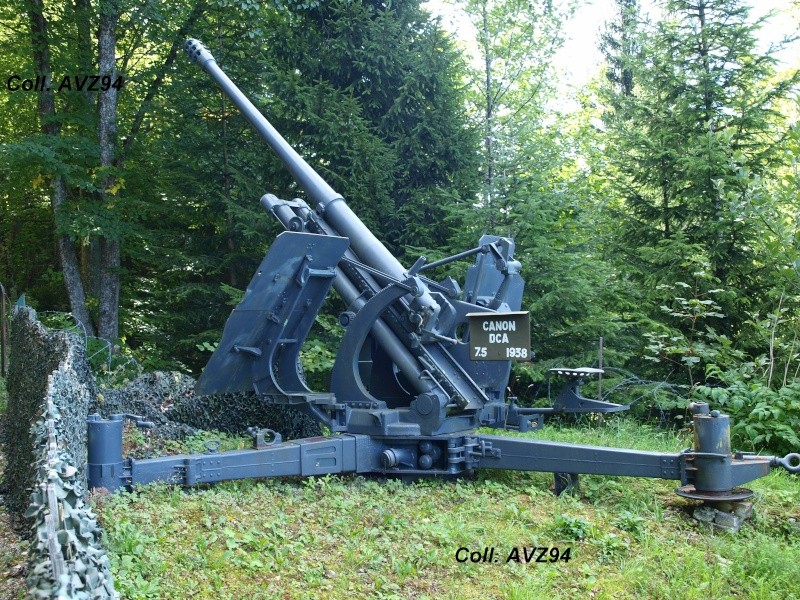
[(347, 536), (572, 528)]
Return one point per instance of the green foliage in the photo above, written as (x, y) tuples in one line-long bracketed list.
[(207, 347), (693, 165), (630, 522), (695, 340), (349, 536), (27, 260), (134, 545), (140, 443), (220, 441), (686, 141), (534, 188), (380, 96), (572, 528), (113, 364), (319, 351), (762, 417), (516, 42)]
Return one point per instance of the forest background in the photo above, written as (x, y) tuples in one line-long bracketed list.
[(660, 215)]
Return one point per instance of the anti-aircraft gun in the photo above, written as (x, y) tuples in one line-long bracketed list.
[(421, 366)]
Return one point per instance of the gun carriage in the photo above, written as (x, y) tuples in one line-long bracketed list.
[(422, 365)]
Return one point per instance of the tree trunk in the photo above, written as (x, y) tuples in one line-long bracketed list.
[(113, 156), (489, 118), (67, 252), (109, 288), (90, 249), (107, 129)]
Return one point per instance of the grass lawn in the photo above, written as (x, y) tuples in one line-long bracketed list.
[(351, 537)]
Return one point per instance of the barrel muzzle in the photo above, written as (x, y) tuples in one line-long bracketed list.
[(197, 52)]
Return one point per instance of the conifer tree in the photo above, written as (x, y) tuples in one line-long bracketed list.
[(693, 106)]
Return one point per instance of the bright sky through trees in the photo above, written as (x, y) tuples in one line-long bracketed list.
[(579, 59)]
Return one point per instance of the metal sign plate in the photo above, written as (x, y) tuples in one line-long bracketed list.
[(500, 336)]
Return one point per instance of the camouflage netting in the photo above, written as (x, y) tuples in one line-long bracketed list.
[(49, 389), (150, 396), (67, 556), (168, 400), (51, 392), (42, 365), (234, 413)]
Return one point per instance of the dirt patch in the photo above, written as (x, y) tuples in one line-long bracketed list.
[(13, 562), (13, 553)]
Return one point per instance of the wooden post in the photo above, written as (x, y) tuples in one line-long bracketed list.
[(600, 366)]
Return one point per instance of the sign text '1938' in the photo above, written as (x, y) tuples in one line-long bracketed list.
[(499, 336)]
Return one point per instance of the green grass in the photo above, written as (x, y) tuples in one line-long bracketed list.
[(351, 537), (3, 396), (139, 443)]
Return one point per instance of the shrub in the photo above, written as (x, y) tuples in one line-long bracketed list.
[(762, 417)]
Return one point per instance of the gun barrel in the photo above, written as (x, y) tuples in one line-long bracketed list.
[(330, 204), (309, 180)]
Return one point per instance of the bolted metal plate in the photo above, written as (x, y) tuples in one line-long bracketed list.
[(734, 495), (272, 321)]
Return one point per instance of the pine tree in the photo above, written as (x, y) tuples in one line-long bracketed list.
[(620, 46), (703, 106), (385, 70)]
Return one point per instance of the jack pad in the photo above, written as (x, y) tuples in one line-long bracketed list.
[(734, 495)]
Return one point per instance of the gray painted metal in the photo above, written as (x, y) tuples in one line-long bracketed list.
[(415, 413), (570, 400), (434, 387), (296, 214), (105, 460), (427, 456), (307, 457), (261, 343)]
